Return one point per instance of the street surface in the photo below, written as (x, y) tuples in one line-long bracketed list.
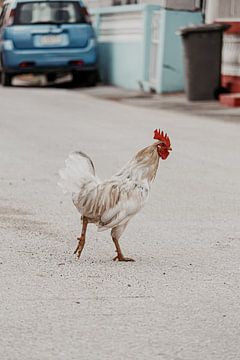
[(180, 300)]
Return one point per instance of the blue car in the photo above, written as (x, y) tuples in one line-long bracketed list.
[(47, 37)]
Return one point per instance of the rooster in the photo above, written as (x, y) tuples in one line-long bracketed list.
[(111, 204)]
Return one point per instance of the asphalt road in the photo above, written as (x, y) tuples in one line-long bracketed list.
[(180, 299)]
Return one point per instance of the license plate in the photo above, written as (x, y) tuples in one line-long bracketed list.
[(51, 39)]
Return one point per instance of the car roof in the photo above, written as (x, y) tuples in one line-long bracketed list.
[(15, 2)]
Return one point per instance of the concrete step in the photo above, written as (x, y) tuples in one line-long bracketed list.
[(232, 100)]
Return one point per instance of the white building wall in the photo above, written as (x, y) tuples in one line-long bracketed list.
[(220, 9), (171, 4), (97, 3)]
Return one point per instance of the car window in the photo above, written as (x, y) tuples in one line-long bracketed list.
[(48, 12)]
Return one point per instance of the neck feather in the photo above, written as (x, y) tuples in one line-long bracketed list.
[(143, 166)]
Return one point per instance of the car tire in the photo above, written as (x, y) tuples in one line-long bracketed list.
[(6, 79), (91, 78), (77, 79), (51, 77), (88, 78)]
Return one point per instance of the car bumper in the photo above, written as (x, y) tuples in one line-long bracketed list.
[(41, 60), (50, 69)]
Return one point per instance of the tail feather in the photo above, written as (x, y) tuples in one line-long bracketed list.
[(79, 170)]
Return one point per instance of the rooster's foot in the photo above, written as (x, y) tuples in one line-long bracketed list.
[(79, 248), (122, 258)]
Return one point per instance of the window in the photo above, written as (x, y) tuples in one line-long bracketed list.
[(54, 12)]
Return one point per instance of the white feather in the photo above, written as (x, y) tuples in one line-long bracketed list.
[(78, 170), (111, 203)]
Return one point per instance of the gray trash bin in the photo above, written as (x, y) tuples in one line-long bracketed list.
[(202, 47)]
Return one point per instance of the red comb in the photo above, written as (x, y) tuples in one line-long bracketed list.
[(158, 135)]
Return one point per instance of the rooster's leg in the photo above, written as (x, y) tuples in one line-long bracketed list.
[(81, 241), (116, 233)]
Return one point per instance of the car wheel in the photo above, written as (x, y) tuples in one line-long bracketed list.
[(91, 78), (51, 77), (77, 78), (6, 79)]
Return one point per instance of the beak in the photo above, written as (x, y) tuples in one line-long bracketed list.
[(170, 149)]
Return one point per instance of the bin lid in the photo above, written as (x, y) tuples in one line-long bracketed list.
[(202, 28)]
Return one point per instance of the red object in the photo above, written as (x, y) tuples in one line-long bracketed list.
[(26, 64), (76, 62), (232, 83), (162, 137), (234, 26), (232, 100)]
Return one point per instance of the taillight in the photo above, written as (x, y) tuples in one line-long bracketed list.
[(10, 20), (76, 62), (86, 15), (26, 64)]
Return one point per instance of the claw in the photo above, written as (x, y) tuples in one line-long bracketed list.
[(122, 258), (78, 250)]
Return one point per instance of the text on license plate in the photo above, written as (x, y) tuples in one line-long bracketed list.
[(51, 39)]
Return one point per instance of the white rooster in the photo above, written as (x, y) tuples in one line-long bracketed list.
[(110, 204)]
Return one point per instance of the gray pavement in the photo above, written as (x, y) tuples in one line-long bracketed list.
[(180, 299), (175, 102)]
